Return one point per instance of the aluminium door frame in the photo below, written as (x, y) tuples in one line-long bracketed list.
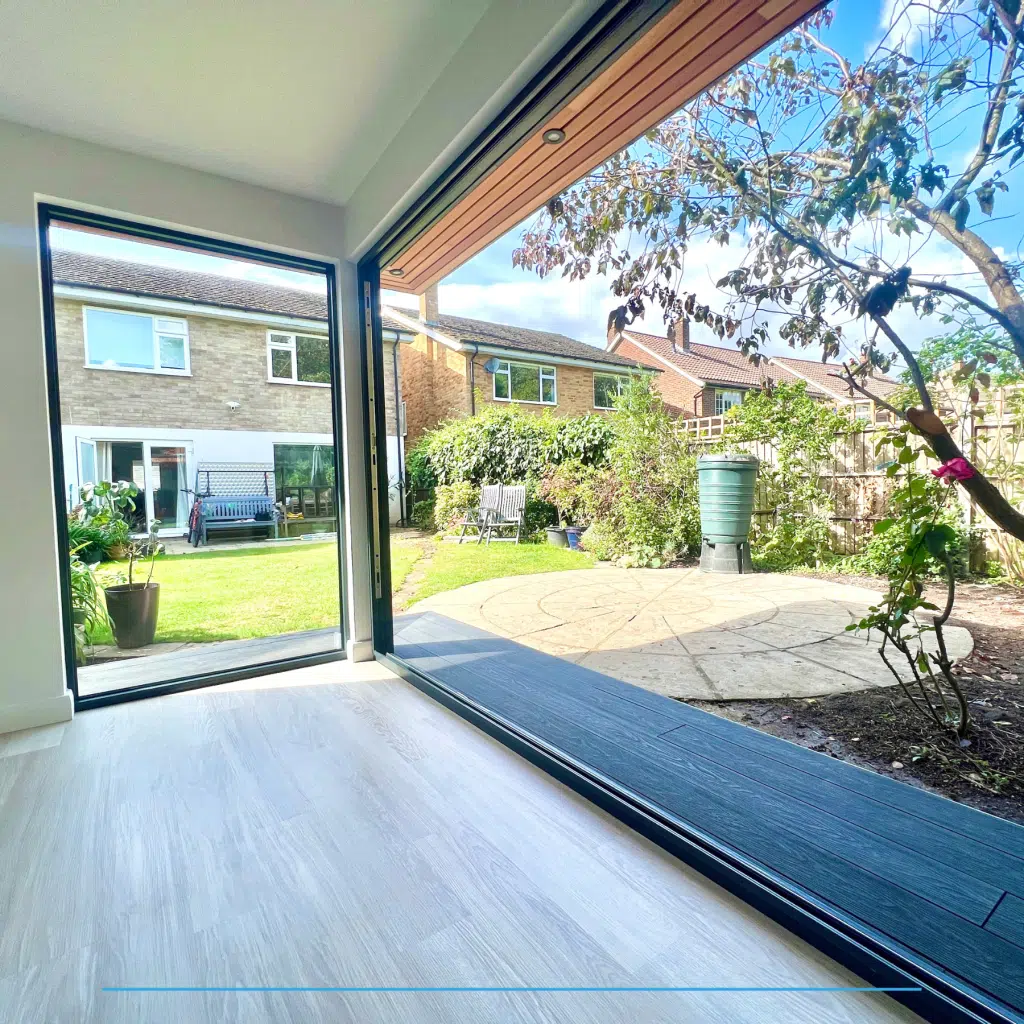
[(614, 27), (62, 213)]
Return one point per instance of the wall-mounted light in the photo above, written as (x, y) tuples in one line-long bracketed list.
[(396, 272), (234, 405), (554, 136)]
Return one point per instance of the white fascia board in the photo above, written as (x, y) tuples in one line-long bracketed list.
[(817, 385), (123, 300), (661, 359), (518, 355)]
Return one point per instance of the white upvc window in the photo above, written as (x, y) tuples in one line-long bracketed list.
[(525, 382), (298, 359), (607, 388), (725, 400), (136, 342)]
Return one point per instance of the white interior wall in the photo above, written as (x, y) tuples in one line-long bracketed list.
[(41, 165)]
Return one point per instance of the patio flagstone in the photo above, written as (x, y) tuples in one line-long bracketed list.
[(687, 634)]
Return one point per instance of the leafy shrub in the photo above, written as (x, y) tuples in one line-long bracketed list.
[(500, 446), (648, 502), (582, 439), (452, 502), (86, 608), (564, 487), (600, 541), (419, 474), (423, 515), (801, 431), (883, 553)]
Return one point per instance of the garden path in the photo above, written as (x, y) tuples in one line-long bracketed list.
[(683, 633)]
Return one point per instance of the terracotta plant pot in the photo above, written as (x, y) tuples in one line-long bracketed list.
[(133, 610)]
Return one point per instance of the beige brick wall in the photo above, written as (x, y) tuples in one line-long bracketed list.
[(676, 391), (389, 386), (434, 385), (574, 388), (229, 364)]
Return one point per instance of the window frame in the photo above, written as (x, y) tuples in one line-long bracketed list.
[(290, 346), (621, 379), (154, 319), (545, 371), (721, 393)]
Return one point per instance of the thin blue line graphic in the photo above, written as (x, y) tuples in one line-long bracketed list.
[(400, 989)]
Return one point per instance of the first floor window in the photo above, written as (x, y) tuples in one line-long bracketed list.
[(298, 358), (725, 400), (524, 382), (115, 340), (607, 388)]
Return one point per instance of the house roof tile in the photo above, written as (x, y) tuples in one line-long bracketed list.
[(143, 279), (521, 339), (720, 365)]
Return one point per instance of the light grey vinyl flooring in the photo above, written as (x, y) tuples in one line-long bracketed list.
[(334, 827)]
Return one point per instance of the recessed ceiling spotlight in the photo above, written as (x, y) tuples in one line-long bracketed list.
[(553, 136), (396, 272)]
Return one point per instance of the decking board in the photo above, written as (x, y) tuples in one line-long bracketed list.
[(910, 869)]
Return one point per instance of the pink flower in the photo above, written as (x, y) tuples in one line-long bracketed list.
[(955, 469)]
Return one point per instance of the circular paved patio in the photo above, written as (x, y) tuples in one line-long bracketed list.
[(684, 633)]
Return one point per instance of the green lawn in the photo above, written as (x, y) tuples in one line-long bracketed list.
[(233, 595), (455, 565)]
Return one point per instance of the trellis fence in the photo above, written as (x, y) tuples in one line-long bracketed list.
[(854, 476)]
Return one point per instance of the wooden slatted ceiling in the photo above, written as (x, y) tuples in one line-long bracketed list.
[(694, 45)]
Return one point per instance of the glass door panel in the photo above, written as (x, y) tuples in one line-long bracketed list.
[(168, 484)]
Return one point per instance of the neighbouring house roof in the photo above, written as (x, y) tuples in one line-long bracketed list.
[(705, 364), (142, 279), (821, 376), (711, 364), (460, 330)]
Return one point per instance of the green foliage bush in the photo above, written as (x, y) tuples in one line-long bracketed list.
[(884, 551), (452, 502), (423, 515), (502, 446), (646, 505), (802, 432)]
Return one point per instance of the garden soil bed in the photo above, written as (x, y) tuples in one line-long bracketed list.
[(876, 729)]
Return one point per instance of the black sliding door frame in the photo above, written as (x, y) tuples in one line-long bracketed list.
[(52, 214), (612, 29)]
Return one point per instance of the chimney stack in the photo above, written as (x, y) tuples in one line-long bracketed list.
[(679, 335), (428, 306)]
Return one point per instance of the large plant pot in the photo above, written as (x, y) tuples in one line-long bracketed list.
[(557, 537), (133, 610), (572, 535)]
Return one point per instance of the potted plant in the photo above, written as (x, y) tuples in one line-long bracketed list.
[(133, 606), (562, 486)]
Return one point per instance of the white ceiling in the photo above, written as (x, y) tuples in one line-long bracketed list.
[(302, 96)]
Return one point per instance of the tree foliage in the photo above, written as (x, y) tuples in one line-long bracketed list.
[(827, 172)]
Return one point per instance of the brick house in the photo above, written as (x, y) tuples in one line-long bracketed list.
[(456, 366), (162, 369), (708, 380)]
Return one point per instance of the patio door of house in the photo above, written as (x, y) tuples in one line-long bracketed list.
[(168, 497), (161, 470)]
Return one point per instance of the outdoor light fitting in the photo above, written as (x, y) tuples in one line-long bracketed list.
[(396, 272), (554, 136)]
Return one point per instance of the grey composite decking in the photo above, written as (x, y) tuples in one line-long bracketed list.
[(203, 659), (939, 879)]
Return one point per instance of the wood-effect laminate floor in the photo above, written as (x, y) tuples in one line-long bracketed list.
[(334, 827)]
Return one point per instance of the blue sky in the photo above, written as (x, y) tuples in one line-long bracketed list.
[(489, 288)]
